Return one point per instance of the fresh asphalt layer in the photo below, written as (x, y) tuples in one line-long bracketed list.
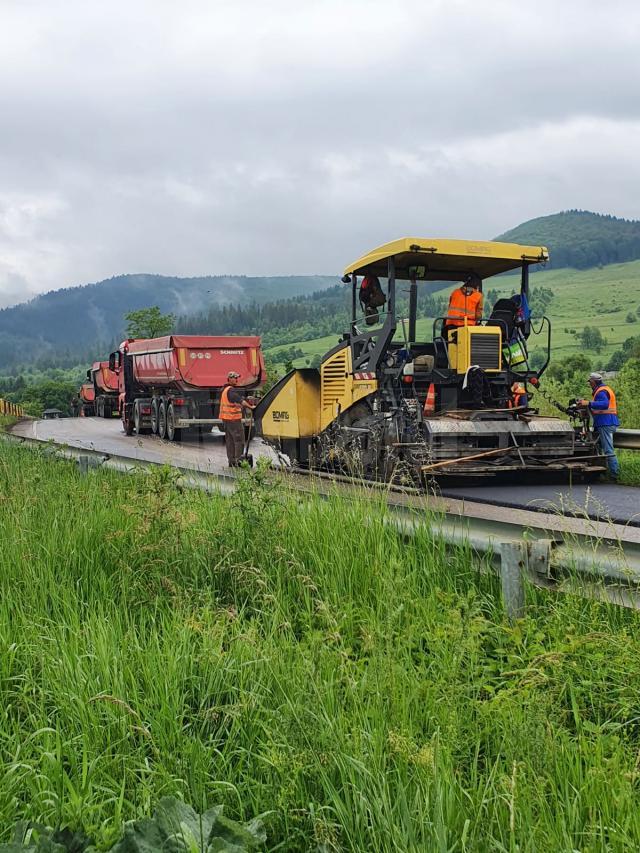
[(598, 501)]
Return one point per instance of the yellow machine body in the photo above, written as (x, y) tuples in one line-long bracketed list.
[(308, 400), (294, 411), (340, 388), (476, 345)]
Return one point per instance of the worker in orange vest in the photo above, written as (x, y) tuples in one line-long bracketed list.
[(232, 402), (519, 396), (465, 303), (604, 411)]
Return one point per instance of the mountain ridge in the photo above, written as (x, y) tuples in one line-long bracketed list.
[(84, 321)]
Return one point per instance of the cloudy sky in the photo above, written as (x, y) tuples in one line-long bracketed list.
[(289, 136)]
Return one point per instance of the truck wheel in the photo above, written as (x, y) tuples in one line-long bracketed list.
[(162, 420), (173, 432), (154, 416), (136, 419)]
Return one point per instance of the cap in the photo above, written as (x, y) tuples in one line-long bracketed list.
[(233, 375), (596, 376)]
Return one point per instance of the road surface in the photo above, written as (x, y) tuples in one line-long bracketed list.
[(206, 453), (599, 501)]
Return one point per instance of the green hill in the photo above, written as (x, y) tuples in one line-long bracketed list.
[(78, 324), (579, 238), (84, 322)]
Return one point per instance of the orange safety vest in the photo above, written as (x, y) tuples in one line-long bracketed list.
[(229, 411), (518, 394), (461, 306), (613, 405)]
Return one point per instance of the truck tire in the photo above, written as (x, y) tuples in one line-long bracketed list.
[(136, 419), (174, 433), (154, 416), (162, 420)]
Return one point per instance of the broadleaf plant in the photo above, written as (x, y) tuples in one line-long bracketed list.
[(174, 828)]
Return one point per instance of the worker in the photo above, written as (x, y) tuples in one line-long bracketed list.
[(465, 302), (232, 402), (519, 396), (371, 298), (604, 411)]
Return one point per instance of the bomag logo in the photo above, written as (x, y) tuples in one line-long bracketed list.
[(280, 416)]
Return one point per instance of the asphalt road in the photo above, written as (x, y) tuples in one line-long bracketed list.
[(205, 454), (599, 501)]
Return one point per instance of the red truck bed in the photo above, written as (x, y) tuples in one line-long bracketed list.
[(106, 380), (194, 361)]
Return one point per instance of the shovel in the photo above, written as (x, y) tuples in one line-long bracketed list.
[(247, 426)]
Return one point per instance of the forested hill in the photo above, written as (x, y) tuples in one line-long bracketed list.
[(579, 238), (82, 323), (86, 321)]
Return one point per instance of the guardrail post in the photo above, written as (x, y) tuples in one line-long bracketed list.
[(83, 465), (512, 571)]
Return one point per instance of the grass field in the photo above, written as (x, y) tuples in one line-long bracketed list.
[(303, 660), (596, 297)]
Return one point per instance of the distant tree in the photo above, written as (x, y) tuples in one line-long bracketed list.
[(148, 323), (592, 338), (536, 360), (574, 365), (631, 318), (540, 300), (48, 394)]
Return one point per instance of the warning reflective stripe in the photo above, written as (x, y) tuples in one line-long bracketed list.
[(364, 376)]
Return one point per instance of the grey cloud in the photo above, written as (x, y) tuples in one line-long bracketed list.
[(228, 138)]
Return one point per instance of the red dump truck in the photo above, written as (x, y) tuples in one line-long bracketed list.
[(105, 387), (170, 384), (87, 399)]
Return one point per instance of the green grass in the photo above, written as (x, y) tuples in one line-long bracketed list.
[(300, 659), (7, 421), (581, 297)]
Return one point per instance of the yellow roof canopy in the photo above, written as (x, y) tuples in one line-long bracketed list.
[(446, 260)]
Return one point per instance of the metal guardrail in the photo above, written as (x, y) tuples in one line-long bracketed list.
[(627, 439), (7, 408), (563, 553)]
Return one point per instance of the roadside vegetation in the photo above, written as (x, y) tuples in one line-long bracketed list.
[(300, 661)]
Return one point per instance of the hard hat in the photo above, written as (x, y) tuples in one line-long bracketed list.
[(597, 377), (233, 375)]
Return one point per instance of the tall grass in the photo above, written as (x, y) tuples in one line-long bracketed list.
[(300, 659)]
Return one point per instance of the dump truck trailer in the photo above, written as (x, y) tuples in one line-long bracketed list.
[(105, 386), (87, 398), (170, 384)]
